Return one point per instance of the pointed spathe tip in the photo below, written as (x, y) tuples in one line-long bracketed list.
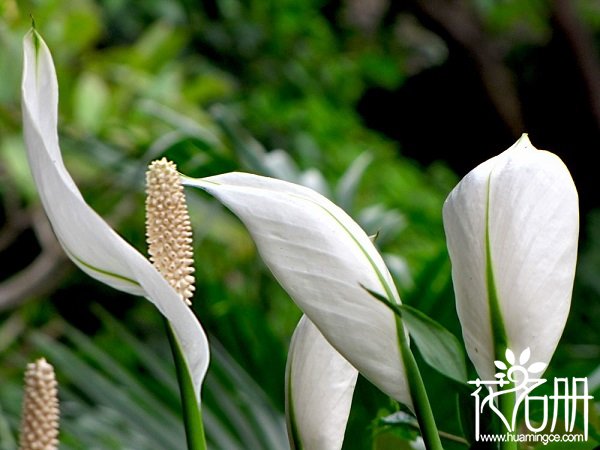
[(33, 41), (523, 143)]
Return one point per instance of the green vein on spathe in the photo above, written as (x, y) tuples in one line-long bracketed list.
[(506, 402), (386, 287), (103, 272), (496, 319)]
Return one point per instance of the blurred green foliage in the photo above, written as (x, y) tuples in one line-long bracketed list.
[(218, 86)]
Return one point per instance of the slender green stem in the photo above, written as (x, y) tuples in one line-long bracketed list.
[(423, 411), (192, 412)]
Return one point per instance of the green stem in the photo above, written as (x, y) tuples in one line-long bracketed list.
[(192, 412), (423, 411)]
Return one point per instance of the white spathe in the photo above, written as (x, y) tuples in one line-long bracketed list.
[(86, 238), (319, 385), (525, 202), (324, 260)]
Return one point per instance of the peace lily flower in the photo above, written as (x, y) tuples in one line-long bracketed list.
[(86, 238), (318, 394), (326, 263), (512, 225), (334, 273)]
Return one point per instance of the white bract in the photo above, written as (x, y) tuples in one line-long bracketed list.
[(86, 238), (319, 385), (512, 226), (324, 260)]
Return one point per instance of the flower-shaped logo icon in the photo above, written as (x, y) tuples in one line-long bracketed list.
[(517, 372), (516, 376)]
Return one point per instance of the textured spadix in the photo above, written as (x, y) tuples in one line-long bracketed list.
[(319, 385), (512, 226), (168, 228), (324, 260), (85, 236), (39, 424)]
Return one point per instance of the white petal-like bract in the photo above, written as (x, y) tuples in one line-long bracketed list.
[(325, 262), (86, 238), (512, 226), (319, 388)]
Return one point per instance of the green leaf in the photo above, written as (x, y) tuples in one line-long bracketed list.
[(439, 348)]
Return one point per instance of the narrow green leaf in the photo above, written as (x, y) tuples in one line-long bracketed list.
[(137, 388), (264, 422), (439, 348), (230, 420), (149, 359), (395, 307), (218, 434)]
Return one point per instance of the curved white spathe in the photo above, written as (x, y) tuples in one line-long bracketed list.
[(513, 220), (86, 238), (319, 385), (324, 260)]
